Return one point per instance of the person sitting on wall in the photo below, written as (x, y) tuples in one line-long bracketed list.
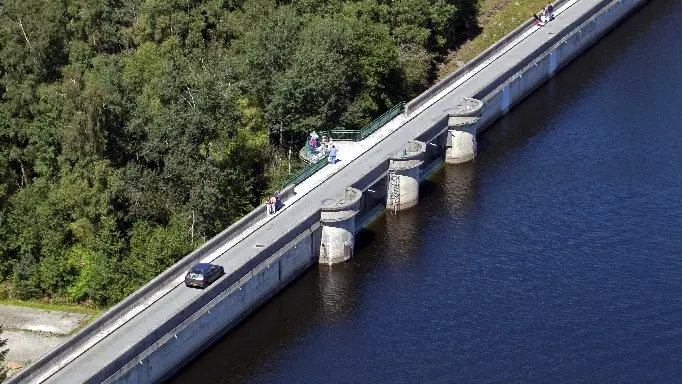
[(543, 16), (550, 11), (537, 19), (313, 142)]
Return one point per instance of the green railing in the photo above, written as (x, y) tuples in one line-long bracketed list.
[(306, 173), (357, 135), (346, 135)]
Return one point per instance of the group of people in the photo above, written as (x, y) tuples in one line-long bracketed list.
[(323, 147), (545, 15), (274, 203), (322, 144)]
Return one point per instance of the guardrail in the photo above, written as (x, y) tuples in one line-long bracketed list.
[(148, 290), (346, 135), (305, 173), (235, 229), (507, 76), (357, 135), (487, 54)]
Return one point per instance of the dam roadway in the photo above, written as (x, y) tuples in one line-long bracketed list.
[(345, 173)]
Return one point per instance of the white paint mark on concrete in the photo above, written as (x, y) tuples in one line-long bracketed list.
[(552, 63), (505, 99)]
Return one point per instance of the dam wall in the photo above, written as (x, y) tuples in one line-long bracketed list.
[(231, 303), (231, 299), (508, 91)]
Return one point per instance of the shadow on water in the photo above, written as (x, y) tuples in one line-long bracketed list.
[(428, 187)]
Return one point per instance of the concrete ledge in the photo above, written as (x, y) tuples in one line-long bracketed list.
[(558, 52), (146, 292), (211, 293), (520, 65), (233, 303), (370, 178), (468, 67), (343, 209), (414, 153)]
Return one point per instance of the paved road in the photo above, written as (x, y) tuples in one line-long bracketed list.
[(105, 351)]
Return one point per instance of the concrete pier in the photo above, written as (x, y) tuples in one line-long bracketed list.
[(338, 227), (403, 176), (461, 139)]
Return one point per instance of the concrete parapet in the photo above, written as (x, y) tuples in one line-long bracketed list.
[(487, 55), (338, 227), (403, 176), (501, 94), (461, 142)]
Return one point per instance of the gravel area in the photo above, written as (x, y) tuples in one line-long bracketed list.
[(25, 347), (39, 320), (32, 332)]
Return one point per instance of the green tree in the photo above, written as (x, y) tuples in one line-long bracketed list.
[(3, 353), (133, 130)]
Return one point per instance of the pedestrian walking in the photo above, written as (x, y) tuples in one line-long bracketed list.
[(550, 11), (332, 155)]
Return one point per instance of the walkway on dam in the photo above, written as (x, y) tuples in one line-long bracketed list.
[(327, 183)]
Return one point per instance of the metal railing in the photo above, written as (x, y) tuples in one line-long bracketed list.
[(306, 173), (346, 135), (357, 135)]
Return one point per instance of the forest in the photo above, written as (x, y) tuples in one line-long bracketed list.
[(131, 131)]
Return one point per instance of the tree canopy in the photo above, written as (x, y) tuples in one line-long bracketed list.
[(133, 130)]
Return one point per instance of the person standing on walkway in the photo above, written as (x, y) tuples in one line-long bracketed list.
[(268, 207), (278, 201), (332, 155), (273, 205), (550, 11)]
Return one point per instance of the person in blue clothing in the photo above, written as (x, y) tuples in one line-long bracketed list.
[(332, 155), (278, 201), (550, 11)]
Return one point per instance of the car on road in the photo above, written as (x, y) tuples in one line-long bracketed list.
[(203, 274)]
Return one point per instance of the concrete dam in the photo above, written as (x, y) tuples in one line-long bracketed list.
[(163, 325)]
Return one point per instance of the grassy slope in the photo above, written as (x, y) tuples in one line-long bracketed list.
[(496, 19), (51, 307)]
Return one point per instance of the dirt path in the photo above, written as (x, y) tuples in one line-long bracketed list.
[(32, 332)]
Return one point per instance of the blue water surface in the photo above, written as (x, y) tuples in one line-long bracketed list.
[(555, 258)]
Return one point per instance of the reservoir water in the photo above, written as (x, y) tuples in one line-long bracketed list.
[(556, 257)]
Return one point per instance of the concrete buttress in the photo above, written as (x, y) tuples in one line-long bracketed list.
[(461, 142), (338, 227), (403, 176)]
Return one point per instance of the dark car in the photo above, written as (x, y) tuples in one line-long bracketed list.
[(203, 274)]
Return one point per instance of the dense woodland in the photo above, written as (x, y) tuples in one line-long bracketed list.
[(133, 130)]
